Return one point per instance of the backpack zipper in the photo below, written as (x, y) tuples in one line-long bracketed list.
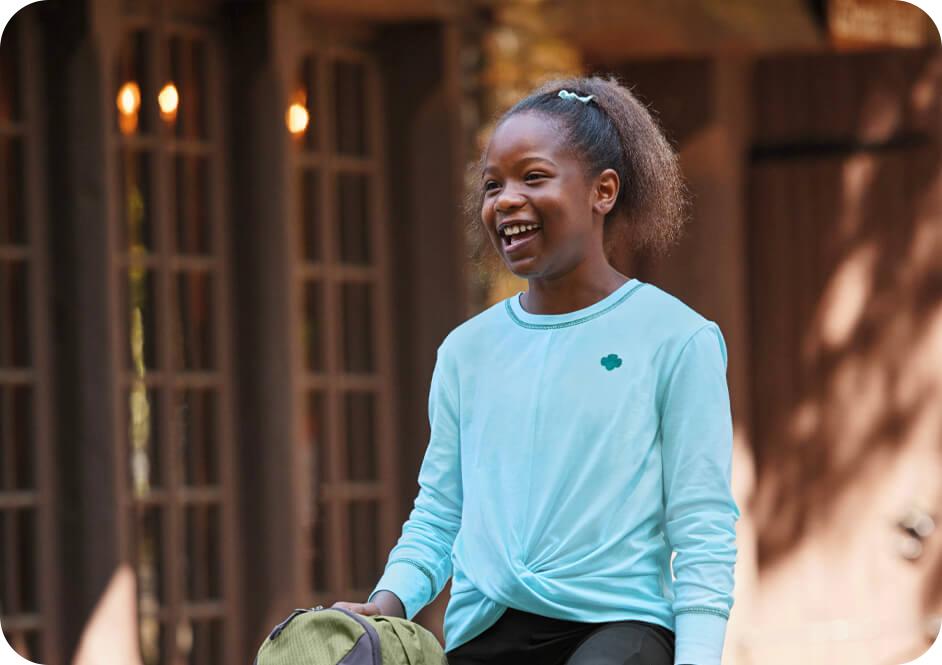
[(276, 631)]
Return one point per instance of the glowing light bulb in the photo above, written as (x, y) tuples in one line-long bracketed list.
[(128, 102), (129, 98), (168, 99), (297, 118)]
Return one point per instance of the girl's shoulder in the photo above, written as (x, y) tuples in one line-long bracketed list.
[(661, 314), (673, 325), (470, 333)]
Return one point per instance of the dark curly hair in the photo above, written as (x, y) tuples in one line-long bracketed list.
[(615, 131)]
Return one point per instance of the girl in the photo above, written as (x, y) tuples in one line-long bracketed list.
[(580, 431)]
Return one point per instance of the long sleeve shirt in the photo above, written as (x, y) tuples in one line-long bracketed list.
[(578, 468)]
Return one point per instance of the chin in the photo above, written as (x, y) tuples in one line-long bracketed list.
[(524, 268)]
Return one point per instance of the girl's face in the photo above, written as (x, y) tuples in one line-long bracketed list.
[(543, 214)]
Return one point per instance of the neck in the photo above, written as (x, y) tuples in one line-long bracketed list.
[(577, 289)]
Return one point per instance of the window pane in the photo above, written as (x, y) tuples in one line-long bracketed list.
[(29, 646), (14, 315), (188, 75), (10, 95), (154, 638), (144, 439), (318, 474), (310, 211), (33, 645), (133, 98), (191, 177), (12, 187), (16, 439), (353, 207), (196, 418), (149, 539), (366, 565), (24, 642), (25, 539), (319, 564), (360, 422), (134, 171), (18, 557), (306, 94), (178, 67), (350, 108), (195, 123), (203, 564), (206, 645), (357, 306), (194, 321), (313, 331), (317, 438), (141, 320)]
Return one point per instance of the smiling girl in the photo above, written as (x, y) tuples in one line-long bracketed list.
[(580, 431)]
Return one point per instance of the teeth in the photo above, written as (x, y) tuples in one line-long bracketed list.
[(519, 228)]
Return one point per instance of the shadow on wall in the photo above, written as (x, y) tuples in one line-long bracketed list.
[(846, 269)]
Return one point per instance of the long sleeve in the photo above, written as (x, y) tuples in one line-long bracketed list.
[(700, 512), (420, 564)]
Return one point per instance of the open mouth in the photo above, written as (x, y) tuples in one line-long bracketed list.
[(515, 235)]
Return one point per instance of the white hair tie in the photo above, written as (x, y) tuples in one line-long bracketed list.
[(565, 94)]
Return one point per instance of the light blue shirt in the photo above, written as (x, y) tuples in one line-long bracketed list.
[(570, 455)]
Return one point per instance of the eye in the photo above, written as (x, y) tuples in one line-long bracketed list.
[(533, 176), (491, 185)]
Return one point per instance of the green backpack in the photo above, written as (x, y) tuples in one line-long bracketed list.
[(334, 636)]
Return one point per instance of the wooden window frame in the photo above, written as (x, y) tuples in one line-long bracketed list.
[(335, 494), (38, 376), (166, 264)]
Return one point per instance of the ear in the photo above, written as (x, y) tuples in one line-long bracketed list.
[(605, 192)]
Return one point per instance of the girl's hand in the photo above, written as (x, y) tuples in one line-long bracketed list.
[(386, 604), (389, 604), (366, 609)]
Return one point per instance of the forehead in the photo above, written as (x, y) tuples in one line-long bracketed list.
[(524, 135)]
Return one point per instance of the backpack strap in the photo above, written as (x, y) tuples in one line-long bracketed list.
[(371, 633)]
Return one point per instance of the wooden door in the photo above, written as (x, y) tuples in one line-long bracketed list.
[(341, 267), (845, 277), (171, 289)]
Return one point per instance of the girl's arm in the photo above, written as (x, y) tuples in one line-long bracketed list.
[(420, 563), (700, 512)]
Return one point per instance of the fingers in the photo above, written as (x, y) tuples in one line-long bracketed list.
[(366, 609), (371, 609)]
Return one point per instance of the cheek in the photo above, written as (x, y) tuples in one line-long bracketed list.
[(557, 213), (486, 217), (487, 210), (487, 223)]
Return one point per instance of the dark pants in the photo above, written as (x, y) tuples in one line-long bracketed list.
[(519, 638)]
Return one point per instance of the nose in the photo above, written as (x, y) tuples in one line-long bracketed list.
[(508, 200)]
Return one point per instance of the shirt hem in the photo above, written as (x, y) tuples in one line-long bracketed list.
[(647, 618)]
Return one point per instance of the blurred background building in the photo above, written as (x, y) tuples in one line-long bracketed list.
[(231, 241)]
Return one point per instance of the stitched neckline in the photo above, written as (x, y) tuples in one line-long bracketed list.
[(525, 319)]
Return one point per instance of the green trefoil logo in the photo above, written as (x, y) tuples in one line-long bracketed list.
[(611, 361)]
